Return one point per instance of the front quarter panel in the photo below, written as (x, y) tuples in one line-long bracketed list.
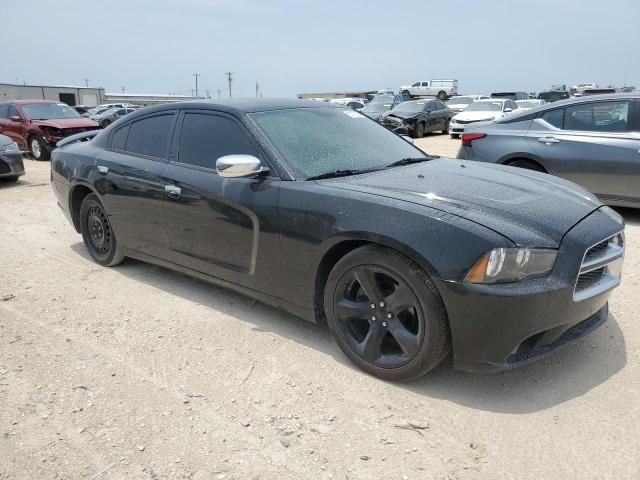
[(316, 217)]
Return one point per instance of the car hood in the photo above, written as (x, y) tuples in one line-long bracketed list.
[(481, 115), (67, 123), (403, 115), (529, 208)]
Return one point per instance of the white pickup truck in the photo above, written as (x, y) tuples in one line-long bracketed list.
[(442, 89)]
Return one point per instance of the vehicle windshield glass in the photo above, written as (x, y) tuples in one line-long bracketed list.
[(410, 107), (382, 99), (377, 107), (314, 141), (48, 111), (528, 103), (460, 101), (484, 107)]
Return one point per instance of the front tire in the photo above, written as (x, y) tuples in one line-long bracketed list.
[(99, 238), (12, 179), (386, 314), (418, 130), (38, 148)]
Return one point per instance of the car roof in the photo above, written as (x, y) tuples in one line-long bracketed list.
[(491, 100), (27, 101)]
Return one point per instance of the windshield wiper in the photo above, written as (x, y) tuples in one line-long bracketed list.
[(409, 161), (340, 173)]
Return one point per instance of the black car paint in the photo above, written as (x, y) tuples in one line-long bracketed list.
[(433, 119), (11, 163), (275, 238)]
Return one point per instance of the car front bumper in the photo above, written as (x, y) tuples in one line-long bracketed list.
[(501, 326), (11, 164)]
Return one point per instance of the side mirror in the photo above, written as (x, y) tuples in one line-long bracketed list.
[(508, 109), (233, 166), (16, 118), (407, 138)]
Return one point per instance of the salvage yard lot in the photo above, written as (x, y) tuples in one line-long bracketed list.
[(140, 372)]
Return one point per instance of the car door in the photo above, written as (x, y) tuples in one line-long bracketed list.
[(11, 128), (224, 227), (594, 144), (128, 175), (430, 116)]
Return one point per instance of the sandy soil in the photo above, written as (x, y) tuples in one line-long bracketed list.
[(139, 372)]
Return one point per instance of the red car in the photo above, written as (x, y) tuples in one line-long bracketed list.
[(37, 125)]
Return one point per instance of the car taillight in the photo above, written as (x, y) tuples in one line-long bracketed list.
[(467, 138)]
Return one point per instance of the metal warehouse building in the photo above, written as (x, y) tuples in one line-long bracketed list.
[(66, 94)]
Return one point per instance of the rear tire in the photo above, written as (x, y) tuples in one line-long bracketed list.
[(99, 238), (445, 130), (406, 92), (442, 95), (406, 333), (527, 165), (105, 123)]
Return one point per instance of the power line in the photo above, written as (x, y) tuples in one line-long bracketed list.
[(197, 75), (229, 79)]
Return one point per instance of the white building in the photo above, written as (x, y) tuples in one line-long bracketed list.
[(71, 95)]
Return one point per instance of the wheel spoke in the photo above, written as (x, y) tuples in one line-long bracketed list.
[(367, 280), (401, 299), (371, 347), (408, 341), (349, 309)]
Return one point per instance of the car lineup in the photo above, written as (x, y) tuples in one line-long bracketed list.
[(486, 110), (529, 104), (311, 207), (592, 141), (417, 117), (108, 116), (460, 102)]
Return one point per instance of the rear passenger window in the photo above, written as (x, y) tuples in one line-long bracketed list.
[(119, 138), (205, 138), (598, 117), (150, 136), (554, 117)]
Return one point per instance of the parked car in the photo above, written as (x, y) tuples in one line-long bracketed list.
[(511, 95), (529, 104), (82, 110), (305, 206), (459, 103), (378, 106), (599, 91), (418, 117), (577, 90), (385, 91), (11, 165), (553, 95), (487, 110), (37, 125), (110, 115), (592, 141), (442, 89), (353, 103)]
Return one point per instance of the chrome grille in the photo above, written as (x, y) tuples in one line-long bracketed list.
[(601, 268)]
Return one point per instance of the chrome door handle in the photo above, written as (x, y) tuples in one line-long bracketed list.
[(172, 190), (102, 169), (548, 140)]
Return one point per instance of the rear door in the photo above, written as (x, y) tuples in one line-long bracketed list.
[(224, 227), (594, 144), (129, 177), (12, 129)]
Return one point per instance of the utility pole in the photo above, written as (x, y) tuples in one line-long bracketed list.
[(257, 89), (86, 81), (229, 79), (122, 89), (196, 75), (192, 92), (219, 93), (207, 94)]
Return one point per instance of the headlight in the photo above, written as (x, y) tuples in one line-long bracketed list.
[(10, 148), (503, 265)]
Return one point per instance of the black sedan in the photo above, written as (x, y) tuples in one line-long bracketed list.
[(418, 117), (316, 209), (11, 164)]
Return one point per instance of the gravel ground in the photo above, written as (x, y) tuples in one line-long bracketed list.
[(139, 372)]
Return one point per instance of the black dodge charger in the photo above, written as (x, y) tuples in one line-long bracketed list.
[(319, 210)]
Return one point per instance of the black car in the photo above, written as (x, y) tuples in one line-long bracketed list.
[(418, 117), (315, 209), (553, 95), (11, 164)]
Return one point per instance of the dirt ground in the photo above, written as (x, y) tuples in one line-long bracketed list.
[(139, 372)]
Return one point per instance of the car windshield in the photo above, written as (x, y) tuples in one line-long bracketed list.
[(460, 101), (528, 103), (382, 99), (49, 111), (315, 141), (484, 107), (377, 107), (410, 107)]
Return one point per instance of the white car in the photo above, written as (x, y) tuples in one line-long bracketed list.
[(529, 104), (488, 110), (460, 102), (355, 103), (442, 89)]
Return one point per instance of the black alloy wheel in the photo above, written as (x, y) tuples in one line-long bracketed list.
[(386, 314), (418, 130), (98, 236)]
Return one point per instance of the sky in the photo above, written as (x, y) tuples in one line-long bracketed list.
[(295, 46)]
